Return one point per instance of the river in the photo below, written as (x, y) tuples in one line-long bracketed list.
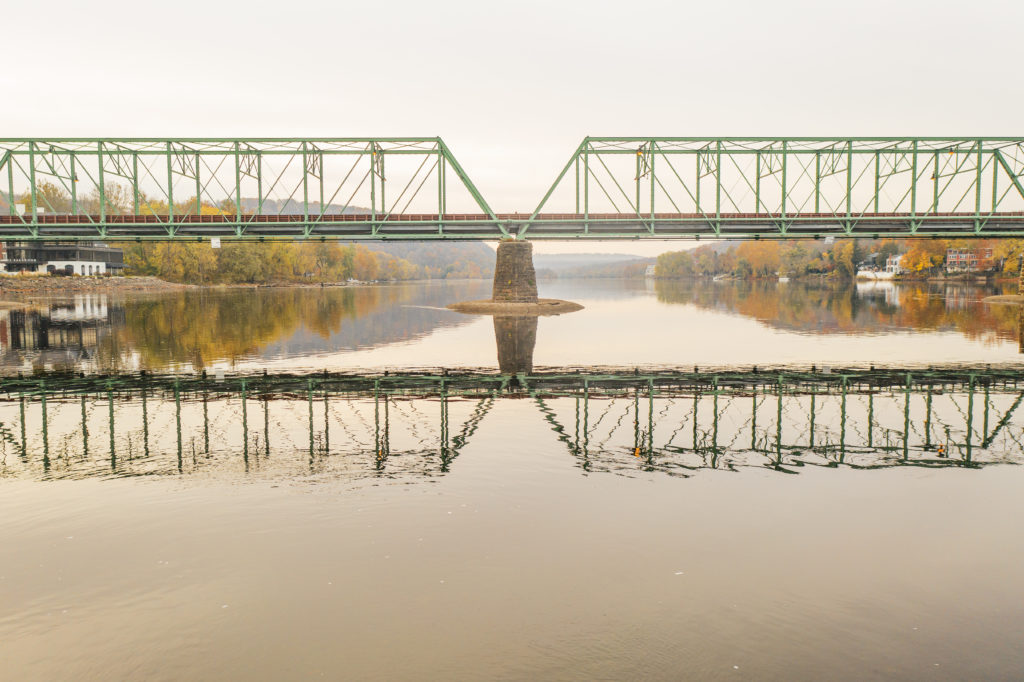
[(687, 480)]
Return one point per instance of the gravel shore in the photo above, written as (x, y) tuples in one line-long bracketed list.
[(21, 284)]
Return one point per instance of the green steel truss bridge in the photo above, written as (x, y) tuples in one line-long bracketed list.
[(414, 188), (416, 425)]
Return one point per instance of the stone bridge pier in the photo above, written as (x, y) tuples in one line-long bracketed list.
[(515, 280)]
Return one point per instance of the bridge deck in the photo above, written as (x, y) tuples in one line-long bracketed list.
[(479, 226)]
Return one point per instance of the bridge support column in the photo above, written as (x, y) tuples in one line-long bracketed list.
[(515, 280)]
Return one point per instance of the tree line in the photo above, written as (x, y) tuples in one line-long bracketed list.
[(763, 259), (240, 262)]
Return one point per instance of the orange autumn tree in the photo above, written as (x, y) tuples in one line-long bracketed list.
[(924, 255)]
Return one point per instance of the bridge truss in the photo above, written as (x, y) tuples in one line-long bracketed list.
[(791, 188), (354, 188), (414, 188)]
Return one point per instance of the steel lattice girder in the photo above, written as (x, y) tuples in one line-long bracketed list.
[(611, 188), (787, 188), (349, 188)]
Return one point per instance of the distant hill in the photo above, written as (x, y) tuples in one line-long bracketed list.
[(586, 265), (5, 205), (294, 207), (558, 262), (627, 269), (453, 260)]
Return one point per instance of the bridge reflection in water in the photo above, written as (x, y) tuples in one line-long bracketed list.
[(413, 425)]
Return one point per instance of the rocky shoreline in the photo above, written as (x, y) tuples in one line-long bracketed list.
[(22, 284)]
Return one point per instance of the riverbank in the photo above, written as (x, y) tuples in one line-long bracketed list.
[(46, 284)]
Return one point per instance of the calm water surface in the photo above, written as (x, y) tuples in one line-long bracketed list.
[(749, 533)]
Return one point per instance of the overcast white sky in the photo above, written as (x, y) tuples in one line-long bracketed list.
[(512, 87)]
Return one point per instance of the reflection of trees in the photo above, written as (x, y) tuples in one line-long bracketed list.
[(203, 326), (842, 309)]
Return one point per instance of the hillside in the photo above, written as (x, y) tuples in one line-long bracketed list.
[(440, 260)]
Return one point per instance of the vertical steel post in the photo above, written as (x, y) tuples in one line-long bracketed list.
[(577, 178), (757, 182), (586, 188), (266, 426), (238, 184), (849, 182), (199, 186), (74, 186), (935, 184), (718, 186), (639, 156), (102, 182), (135, 183), (32, 181), (650, 169), (170, 183), (913, 181), (10, 185), (877, 163), (817, 181), (373, 180), (995, 184), (305, 192), (784, 155), (440, 191), (259, 182)]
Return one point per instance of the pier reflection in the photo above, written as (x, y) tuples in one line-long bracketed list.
[(415, 426), (515, 338)]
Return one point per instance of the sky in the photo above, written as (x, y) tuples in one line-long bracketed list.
[(512, 87)]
